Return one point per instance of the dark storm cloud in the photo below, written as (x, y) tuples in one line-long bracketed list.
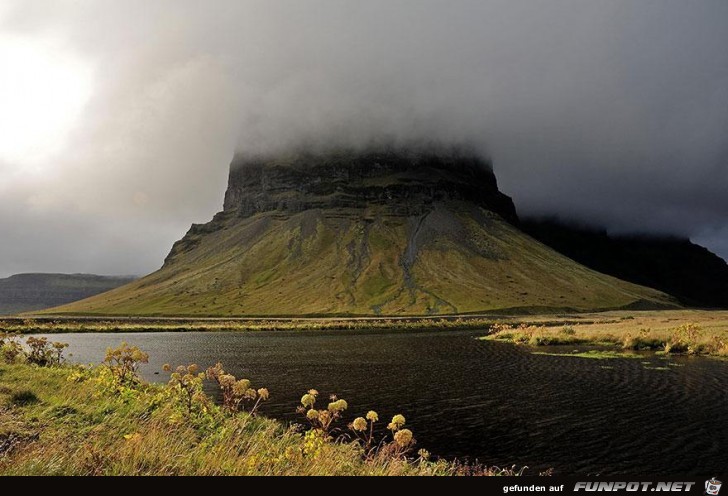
[(613, 112)]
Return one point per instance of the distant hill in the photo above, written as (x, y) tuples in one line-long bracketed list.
[(676, 266), (28, 292), (374, 232)]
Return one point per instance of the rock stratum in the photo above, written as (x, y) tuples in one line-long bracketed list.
[(405, 182), (376, 232)]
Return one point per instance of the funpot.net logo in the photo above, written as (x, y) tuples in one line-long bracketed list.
[(612, 486)]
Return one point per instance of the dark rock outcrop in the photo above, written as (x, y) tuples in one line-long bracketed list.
[(689, 272), (407, 181)]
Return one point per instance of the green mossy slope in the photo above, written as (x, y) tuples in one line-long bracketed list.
[(456, 258)]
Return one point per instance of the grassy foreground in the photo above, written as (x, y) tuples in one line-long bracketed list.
[(70, 420)]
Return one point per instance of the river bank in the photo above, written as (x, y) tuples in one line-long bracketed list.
[(689, 332), (71, 420), (594, 327)]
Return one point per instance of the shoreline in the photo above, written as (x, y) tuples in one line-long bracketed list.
[(110, 422), (56, 325), (688, 333), (592, 327)]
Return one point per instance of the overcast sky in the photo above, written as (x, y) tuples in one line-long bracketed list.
[(118, 119)]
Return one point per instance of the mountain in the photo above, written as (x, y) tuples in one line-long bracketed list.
[(28, 292), (375, 232), (691, 273)]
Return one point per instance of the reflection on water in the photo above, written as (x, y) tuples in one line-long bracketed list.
[(473, 399)]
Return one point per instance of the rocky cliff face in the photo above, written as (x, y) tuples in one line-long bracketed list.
[(406, 182)]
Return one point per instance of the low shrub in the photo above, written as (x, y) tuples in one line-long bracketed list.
[(237, 393), (123, 363), (44, 353)]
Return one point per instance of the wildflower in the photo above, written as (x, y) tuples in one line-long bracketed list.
[(263, 393), (359, 424), (338, 406), (398, 420), (403, 438), (241, 387), (312, 414), (313, 443), (308, 399), (313, 392), (166, 367), (226, 380), (392, 426), (290, 453), (213, 372), (424, 454), (138, 355), (372, 416)]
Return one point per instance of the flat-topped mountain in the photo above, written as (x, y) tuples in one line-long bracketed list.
[(375, 232)]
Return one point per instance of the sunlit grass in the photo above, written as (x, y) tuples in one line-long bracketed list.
[(672, 334)]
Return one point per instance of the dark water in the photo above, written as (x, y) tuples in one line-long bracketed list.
[(473, 399)]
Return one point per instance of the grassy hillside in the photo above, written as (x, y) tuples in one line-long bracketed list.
[(455, 259), (27, 292)]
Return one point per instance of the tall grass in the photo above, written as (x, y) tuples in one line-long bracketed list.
[(688, 338)]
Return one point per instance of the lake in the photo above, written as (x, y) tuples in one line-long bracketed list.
[(477, 400)]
